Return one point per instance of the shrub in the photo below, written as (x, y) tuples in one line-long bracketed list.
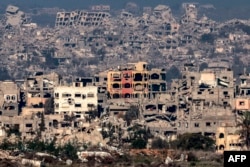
[(139, 143), (158, 143)]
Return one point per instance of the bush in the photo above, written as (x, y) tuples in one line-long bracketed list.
[(158, 143), (69, 151), (131, 114), (139, 143), (191, 157), (190, 141)]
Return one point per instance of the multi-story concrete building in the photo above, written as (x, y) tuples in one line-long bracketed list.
[(81, 18), (75, 99), (135, 80), (9, 98)]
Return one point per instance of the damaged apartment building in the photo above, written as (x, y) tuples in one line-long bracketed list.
[(204, 100), (191, 13), (242, 99), (9, 98), (81, 18), (15, 17), (135, 80), (199, 102), (37, 88)]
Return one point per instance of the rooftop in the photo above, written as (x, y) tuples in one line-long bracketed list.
[(12, 9)]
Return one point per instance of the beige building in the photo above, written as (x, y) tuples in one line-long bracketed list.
[(9, 98), (75, 99), (242, 104), (227, 139)]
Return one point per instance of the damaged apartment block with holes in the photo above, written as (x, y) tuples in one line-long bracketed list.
[(9, 98)]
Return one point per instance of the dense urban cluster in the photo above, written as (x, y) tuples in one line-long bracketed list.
[(116, 83)]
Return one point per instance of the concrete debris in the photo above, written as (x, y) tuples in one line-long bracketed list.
[(33, 163), (69, 162), (46, 63), (99, 156), (168, 160), (45, 154)]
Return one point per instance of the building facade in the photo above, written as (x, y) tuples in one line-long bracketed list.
[(135, 80), (75, 99), (9, 98)]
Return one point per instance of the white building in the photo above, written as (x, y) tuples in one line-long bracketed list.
[(75, 99)]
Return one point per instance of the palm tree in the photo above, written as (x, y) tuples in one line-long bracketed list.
[(244, 124)]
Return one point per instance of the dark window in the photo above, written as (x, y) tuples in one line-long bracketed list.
[(77, 84), (127, 85), (78, 105), (28, 125), (225, 93), (91, 105), (221, 135), (66, 95), (208, 124), (242, 103), (77, 95), (56, 94)]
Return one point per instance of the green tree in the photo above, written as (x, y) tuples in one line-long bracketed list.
[(189, 141), (244, 125), (111, 131), (131, 114), (49, 106), (13, 130), (104, 133), (158, 143), (36, 145), (70, 151), (139, 143), (5, 145), (51, 147), (42, 125)]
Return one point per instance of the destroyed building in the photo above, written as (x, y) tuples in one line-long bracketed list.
[(14, 16), (202, 101), (135, 80), (38, 88), (9, 98), (81, 18), (199, 92), (191, 12), (103, 8)]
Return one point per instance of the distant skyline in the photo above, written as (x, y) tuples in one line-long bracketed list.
[(69, 4), (228, 9)]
